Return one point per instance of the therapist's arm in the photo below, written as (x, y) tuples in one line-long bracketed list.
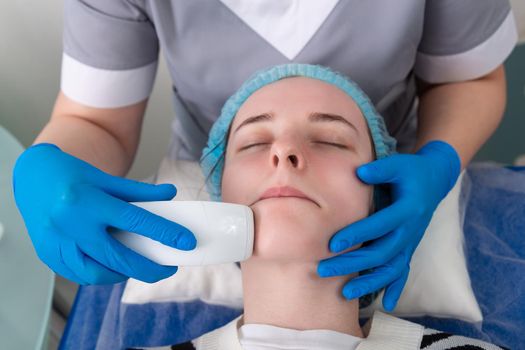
[(106, 138), (463, 114)]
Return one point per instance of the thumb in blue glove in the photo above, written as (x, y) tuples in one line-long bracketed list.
[(418, 184)]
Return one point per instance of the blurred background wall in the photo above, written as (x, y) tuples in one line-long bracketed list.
[(30, 58)]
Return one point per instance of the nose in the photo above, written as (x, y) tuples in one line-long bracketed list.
[(287, 155)]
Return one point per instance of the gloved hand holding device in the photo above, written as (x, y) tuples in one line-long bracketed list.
[(69, 206)]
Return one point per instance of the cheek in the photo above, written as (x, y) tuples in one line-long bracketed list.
[(229, 178), (346, 195), (239, 180), (347, 199)]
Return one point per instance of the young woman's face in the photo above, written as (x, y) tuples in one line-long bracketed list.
[(311, 136)]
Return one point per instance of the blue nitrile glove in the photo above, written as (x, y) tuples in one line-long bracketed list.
[(68, 207), (418, 183)]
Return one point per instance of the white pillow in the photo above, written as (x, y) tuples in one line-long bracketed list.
[(438, 284)]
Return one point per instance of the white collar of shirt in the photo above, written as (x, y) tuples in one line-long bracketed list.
[(262, 336), (386, 332)]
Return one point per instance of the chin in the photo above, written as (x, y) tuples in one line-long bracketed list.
[(276, 213), (290, 231)]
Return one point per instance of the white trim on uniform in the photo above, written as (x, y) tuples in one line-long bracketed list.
[(473, 63), (102, 88), (287, 25)]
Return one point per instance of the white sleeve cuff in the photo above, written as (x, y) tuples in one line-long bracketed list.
[(473, 63), (102, 88)]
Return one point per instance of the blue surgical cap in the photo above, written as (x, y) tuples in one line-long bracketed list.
[(212, 158)]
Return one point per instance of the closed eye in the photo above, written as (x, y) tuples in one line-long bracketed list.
[(252, 145), (332, 144), (320, 142)]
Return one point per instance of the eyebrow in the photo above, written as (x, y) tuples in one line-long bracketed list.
[(313, 117)]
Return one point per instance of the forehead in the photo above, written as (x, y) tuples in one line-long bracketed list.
[(300, 96)]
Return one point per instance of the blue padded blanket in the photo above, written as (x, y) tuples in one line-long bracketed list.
[(494, 229)]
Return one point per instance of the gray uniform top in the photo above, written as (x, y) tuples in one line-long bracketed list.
[(111, 51)]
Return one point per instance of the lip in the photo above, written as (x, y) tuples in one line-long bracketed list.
[(284, 191)]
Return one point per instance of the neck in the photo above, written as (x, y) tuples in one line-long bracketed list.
[(292, 295)]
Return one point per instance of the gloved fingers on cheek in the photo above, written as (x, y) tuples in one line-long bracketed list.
[(393, 291), (402, 241), (91, 271), (372, 227), (375, 254), (117, 257), (385, 170), (375, 280), (352, 262)]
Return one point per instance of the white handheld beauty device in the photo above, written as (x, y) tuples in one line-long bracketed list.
[(224, 233)]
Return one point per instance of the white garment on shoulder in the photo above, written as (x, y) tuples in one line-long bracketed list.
[(386, 332), (266, 337)]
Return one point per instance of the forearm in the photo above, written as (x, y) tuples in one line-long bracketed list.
[(462, 114), (87, 141)]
